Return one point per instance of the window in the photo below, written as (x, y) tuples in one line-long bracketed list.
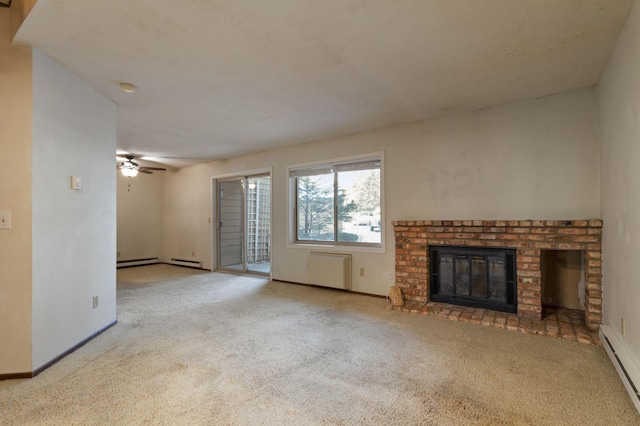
[(338, 203)]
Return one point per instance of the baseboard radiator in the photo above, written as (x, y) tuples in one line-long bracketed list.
[(136, 262), (329, 270), (623, 363), (185, 262)]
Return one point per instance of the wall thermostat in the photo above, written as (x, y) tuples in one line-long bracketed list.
[(76, 182)]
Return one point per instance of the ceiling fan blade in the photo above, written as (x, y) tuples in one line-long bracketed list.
[(151, 168), (146, 172)]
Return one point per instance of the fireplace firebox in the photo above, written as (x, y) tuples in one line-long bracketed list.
[(477, 277)]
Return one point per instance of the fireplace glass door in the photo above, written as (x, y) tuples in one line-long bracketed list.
[(482, 278)]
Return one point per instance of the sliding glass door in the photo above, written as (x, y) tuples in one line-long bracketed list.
[(244, 224), (258, 224), (231, 224)]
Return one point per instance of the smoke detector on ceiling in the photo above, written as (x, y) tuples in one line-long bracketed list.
[(127, 87)]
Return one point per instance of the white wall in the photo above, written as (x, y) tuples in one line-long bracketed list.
[(619, 101), (529, 160), (20, 9), (15, 197), (186, 212), (74, 232), (139, 216)]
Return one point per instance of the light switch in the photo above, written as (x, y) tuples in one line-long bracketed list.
[(76, 182), (5, 220)]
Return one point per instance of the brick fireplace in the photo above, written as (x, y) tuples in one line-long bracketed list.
[(530, 238)]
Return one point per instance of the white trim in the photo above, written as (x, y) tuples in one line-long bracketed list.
[(215, 220), (239, 174), (213, 241), (189, 263), (291, 220), (370, 155), (620, 359), (332, 248), (127, 263)]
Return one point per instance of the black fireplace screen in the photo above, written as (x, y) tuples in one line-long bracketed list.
[(479, 277)]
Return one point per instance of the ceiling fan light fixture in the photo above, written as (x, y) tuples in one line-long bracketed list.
[(128, 87), (129, 172)]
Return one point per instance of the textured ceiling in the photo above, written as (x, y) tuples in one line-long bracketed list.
[(221, 78)]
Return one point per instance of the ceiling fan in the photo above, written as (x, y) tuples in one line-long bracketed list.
[(130, 168)]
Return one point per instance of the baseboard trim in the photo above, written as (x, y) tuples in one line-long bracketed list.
[(136, 262), (200, 268), (624, 365), (73, 349), (12, 376), (185, 262), (34, 373), (344, 290), (379, 296), (266, 276)]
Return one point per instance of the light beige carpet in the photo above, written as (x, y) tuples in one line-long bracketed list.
[(206, 348)]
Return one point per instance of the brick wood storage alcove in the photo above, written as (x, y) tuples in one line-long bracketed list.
[(528, 237)]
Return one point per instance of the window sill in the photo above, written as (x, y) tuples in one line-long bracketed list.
[(337, 247)]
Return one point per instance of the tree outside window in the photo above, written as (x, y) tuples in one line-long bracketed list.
[(338, 203)]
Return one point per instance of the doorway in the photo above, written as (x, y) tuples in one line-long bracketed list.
[(244, 224)]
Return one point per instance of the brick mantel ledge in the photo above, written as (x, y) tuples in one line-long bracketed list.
[(528, 237)]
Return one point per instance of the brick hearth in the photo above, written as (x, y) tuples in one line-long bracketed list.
[(528, 237), (559, 323)]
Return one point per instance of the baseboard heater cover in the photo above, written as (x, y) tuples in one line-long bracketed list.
[(329, 270), (136, 262), (184, 262), (619, 364)]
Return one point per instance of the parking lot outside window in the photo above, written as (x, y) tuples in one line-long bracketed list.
[(338, 203)]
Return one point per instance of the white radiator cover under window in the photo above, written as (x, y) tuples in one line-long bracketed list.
[(329, 270)]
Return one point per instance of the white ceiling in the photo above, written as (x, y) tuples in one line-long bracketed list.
[(221, 78)]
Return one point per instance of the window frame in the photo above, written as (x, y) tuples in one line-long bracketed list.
[(334, 165)]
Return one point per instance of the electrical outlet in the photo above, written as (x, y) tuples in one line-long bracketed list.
[(193, 254), (388, 275), (362, 272), (95, 302), (622, 327)]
